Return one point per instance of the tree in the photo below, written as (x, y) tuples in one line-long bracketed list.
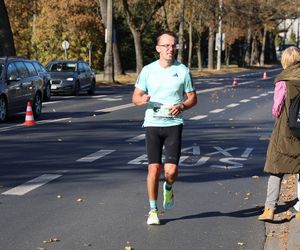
[(108, 59), (7, 47), (138, 16)]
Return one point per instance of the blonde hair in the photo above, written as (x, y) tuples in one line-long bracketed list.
[(290, 56)]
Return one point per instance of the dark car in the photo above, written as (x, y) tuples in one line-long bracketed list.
[(46, 78), (71, 77), (19, 83)]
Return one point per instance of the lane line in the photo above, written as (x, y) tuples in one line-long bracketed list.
[(198, 117), (245, 100), (95, 156), (32, 184), (137, 138), (216, 111), (232, 105), (124, 106), (38, 122)]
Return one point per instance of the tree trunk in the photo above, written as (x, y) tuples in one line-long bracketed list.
[(199, 55), (181, 30), (263, 47), (108, 60), (137, 37), (118, 69), (254, 52), (190, 45), (211, 43), (248, 48), (227, 55), (7, 47)]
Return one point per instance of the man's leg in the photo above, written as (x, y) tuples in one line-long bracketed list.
[(152, 187), (154, 171)]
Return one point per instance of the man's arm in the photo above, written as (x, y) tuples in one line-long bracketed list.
[(189, 102), (139, 97)]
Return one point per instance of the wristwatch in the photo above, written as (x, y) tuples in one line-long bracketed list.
[(181, 107)]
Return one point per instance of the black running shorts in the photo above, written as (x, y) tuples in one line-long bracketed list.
[(168, 138)]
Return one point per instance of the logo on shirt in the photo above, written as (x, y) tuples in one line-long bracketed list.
[(175, 75)]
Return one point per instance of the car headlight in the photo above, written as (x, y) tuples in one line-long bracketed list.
[(70, 79)]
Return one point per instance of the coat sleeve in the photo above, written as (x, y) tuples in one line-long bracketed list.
[(279, 98)]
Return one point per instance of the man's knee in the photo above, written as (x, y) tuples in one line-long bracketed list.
[(154, 170)]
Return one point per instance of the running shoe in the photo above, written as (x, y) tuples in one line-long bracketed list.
[(153, 217), (168, 198)]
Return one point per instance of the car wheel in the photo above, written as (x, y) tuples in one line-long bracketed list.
[(91, 91), (37, 105), (76, 88), (47, 93), (3, 109)]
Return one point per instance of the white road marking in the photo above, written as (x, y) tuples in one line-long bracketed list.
[(245, 100), (216, 111), (137, 138), (254, 97), (124, 106), (32, 184), (232, 105), (110, 99), (38, 122), (47, 103), (198, 117), (264, 94), (95, 156)]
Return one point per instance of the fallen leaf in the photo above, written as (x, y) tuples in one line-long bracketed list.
[(241, 243)]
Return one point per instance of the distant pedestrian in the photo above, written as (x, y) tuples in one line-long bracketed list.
[(283, 155), (166, 88)]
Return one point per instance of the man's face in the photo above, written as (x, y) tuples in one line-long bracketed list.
[(166, 47)]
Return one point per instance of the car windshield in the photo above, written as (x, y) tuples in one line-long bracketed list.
[(1, 69), (61, 67)]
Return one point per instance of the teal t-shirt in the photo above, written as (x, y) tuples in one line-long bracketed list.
[(166, 87)]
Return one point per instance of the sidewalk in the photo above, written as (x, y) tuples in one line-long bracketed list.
[(284, 232)]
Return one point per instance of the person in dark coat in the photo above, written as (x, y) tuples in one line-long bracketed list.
[(283, 155)]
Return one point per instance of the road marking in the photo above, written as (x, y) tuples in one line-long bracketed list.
[(232, 105), (137, 138), (264, 94), (245, 100), (95, 156), (198, 117), (216, 110), (254, 97), (111, 99), (124, 106), (32, 184), (47, 103), (38, 122)]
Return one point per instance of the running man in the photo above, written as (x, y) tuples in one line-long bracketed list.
[(166, 88)]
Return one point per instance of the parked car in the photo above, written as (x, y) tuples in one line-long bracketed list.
[(71, 77), (46, 78), (19, 83)]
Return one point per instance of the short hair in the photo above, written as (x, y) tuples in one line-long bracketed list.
[(290, 56), (170, 33)]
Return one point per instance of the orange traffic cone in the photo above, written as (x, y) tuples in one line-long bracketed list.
[(265, 75), (29, 120), (235, 82)]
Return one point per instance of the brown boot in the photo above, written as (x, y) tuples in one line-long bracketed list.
[(267, 215)]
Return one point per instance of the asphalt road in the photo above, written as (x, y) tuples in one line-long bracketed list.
[(77, 179)]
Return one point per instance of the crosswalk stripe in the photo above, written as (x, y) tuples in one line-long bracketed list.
[(32, 184), (137, 138)]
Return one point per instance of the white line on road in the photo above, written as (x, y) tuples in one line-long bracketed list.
[(198, 117), (254, 97), (232, 105), (95, 156), (111, 99), (216, 111), (32, 184), (245, 100), (38, 122), (116, 108), (137, 138)]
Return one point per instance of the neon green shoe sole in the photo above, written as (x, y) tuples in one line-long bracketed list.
[(168, 198)]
